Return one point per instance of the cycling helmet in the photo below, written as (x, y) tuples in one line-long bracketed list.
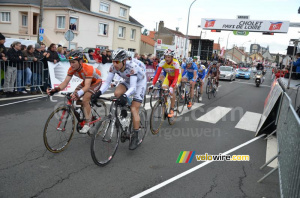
[(129, 54), (75, 55), (189, 60), (119, 55), (169, 52)]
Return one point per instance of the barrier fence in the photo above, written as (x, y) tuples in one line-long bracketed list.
[(16, 77)]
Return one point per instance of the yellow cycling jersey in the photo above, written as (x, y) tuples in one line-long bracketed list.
[(170, 69)]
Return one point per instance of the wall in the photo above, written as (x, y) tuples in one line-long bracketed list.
[(146, 48)]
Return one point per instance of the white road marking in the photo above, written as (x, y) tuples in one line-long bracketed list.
[(20, 97), (253, 84), (249, 121), (271, 151), (158, 186), (22, 101), (214, 115)]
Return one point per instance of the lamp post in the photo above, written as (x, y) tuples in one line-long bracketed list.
[(187, 28), (227, 45), (199, 45)]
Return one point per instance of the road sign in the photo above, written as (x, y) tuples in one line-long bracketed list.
[(69, 35), (41, 31), (241, 33), (41, 38)]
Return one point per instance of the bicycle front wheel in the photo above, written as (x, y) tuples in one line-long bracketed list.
[(209, 89), (105, 141), (59, 129), (154, 96), (181, 98), (143, 125), (157, 116)]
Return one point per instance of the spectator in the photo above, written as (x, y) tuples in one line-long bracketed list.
[(104, 56), (3, 57), (68, 52), (296, 67), (60, 52), (29, 67), (97, 57), (143, 59), (37, 72), (136, 56), (16, 58), (52, 55), (65, 50), (90, 52), (215, 56), (23, 48), (108, 55)]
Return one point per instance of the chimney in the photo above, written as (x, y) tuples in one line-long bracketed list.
[(177, 28), (161, 25)]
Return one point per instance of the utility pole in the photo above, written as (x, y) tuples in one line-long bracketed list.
[(199, 46), (40, 19), (187, 30)]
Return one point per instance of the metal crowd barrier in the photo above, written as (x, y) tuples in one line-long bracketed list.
[(288, 139), (16, 78)]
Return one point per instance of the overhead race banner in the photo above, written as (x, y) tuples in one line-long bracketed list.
[(58, 73), (246, 25)]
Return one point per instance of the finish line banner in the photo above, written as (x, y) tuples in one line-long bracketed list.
[(59, 71), (246, 25)]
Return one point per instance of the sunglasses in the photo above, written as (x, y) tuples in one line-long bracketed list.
[(117, 62), (73, 58)]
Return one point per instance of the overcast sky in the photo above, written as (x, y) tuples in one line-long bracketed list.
[(174, 13)]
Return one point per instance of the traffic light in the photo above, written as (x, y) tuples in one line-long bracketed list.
[(215, 30), (268, 33)]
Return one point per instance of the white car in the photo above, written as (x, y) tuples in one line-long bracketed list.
[(227, 73)]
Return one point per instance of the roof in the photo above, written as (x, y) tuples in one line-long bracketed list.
[(152, 34), (194, 37), (80, 5), (169, 31), (148, 40), (216, 46)]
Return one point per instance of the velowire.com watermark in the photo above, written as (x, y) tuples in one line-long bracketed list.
[(187, 157)]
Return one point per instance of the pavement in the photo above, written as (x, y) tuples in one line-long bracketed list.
[(224, 124)]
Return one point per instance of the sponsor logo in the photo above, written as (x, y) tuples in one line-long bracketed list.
[(210, 23), (275, 26)]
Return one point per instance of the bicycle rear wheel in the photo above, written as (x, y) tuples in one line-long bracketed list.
[(173, 119), (157, 116), (105, 141), (59, 129)]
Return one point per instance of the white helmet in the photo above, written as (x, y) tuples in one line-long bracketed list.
[(189, 60), (169, 52)]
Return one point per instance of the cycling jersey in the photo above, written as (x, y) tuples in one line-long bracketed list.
[(201, 72), (189, 71), (134, 79), (172, 70), (139, 63), (86, 72), (163, 74), (213, 69)]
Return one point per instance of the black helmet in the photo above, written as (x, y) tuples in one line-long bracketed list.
[(119, 55), (75, 55)]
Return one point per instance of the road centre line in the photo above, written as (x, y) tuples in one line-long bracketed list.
[(22, 101), (158, 186)]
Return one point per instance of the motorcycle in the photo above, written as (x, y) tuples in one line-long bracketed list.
[(258, 78)]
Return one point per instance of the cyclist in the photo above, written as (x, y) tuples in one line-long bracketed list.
[(214, 71), (201, 78), (190, 70), (172, 68), (89, 86), (134, 82)]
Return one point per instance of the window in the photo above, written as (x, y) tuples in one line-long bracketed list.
[(121, 32), (61, 22), (73, 23), (131, 49), (132, 35), (5, 16), (24, 20), (103, 29), (123, 12), (101, 47), (104, 7)]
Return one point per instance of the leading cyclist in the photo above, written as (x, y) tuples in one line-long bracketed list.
[(134, 82), (89, 86)]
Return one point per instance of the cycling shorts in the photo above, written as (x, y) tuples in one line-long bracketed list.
[(140, 89), (169, 80)]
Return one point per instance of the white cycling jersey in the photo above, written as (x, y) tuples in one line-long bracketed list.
[(134, 79)]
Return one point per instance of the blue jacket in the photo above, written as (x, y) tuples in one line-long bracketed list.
[(297, 65)]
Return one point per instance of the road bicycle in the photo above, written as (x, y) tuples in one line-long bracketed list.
[(60, 125), (155, 94), (161, 109), (197, 93), (117, 125), (211, 88), (185, 96)]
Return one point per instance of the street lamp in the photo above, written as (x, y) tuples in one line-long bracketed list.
[(187, 28), (227, 45), (199, 45)]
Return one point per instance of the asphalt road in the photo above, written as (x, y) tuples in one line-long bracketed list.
[(27, 169)]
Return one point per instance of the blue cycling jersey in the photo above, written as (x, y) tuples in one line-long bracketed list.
[(201, 72), (189, 71)]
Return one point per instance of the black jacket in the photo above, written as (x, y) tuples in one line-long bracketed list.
[(53, 56), (104, 59), (2, 50), (13, 57)]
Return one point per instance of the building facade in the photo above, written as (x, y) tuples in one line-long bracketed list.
[(95, 23)]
